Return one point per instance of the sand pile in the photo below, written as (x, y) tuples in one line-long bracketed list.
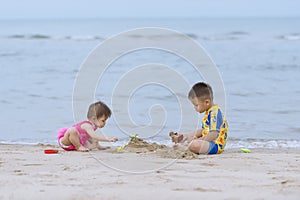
[(138, 145), (178, 154)]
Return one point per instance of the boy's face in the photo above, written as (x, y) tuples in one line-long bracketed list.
[(200, 105), (101, 121)]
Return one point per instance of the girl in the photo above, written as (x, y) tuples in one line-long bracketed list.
[(82, 136)]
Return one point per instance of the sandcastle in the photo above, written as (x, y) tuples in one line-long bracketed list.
[(138, 145)]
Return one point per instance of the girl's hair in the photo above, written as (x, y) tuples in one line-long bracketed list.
[(201, 90), (98, 109)]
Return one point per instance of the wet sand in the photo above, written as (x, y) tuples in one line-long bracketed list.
[(28, 173)]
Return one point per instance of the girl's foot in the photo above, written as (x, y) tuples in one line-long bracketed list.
[(82, 149), (102, 148)]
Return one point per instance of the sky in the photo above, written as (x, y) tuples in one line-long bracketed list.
[(52, 9)]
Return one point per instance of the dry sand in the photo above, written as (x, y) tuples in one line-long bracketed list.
[(28, 173)]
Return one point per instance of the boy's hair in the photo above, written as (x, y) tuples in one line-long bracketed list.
[(98, 109), (201, 90)]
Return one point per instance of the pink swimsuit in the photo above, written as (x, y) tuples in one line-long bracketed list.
[(83, 135)]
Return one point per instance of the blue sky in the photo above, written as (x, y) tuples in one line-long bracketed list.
[(147, 9)]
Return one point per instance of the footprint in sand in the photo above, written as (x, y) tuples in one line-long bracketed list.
[(19, 172), (208, 164), (32, 165), (198, 189)]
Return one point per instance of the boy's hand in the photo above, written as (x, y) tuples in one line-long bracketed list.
[(176, 137)]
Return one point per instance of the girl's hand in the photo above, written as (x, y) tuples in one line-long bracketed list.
[(114, 139)]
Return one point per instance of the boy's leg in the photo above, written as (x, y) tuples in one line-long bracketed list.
[(199, 146)]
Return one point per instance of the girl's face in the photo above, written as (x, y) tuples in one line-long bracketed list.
[(200, 105), (101, 121)]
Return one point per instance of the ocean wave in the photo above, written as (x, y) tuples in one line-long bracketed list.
[(84, 38), (220, 37), (238, 33), (153, 36), (50, 37), (234, 35), (191, 35), (282, 67), (274, 67), (7, 54), (261, 143), (34, 36), (293, 36)]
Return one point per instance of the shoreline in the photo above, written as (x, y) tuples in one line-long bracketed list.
[(233, 143), (28, 173)]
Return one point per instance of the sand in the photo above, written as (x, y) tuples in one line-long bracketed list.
[(28, 173)]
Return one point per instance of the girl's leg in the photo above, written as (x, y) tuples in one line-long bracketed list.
[(199, 146), (94, 144), (71, 138), (90, 144)]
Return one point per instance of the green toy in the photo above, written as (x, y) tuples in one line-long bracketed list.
[(132, 137), (245, 150), (120, 148)]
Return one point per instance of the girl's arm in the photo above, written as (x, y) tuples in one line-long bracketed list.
[(89, 129)]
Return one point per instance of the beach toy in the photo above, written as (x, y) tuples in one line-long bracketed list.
[(132, 137), (50, 151), (120, 148), (245, 150)]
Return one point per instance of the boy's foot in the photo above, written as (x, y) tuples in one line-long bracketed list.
[(180, 147), (177, 138), (82, 149)]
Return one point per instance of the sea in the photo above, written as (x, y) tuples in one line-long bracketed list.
[(258, 61)]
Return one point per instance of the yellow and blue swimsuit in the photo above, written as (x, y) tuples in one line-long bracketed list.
[(214, 120)]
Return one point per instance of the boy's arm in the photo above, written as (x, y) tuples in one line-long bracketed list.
[(211, 136), (197, 133), (215, 122), (89, 129), (192, 135)]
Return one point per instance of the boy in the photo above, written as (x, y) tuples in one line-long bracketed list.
[(211, 139)]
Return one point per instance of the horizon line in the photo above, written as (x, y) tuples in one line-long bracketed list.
[(149, 18)]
